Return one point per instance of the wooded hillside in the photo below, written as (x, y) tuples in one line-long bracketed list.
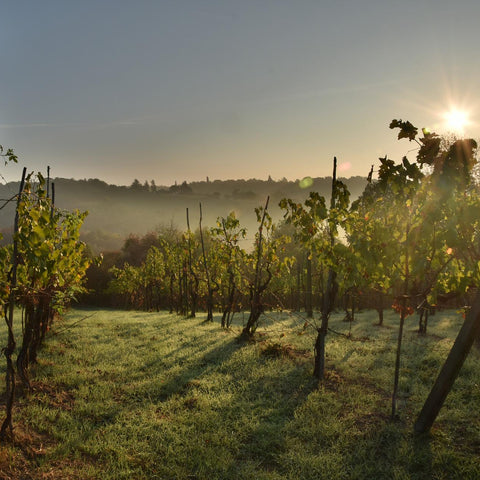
[(117, 211)]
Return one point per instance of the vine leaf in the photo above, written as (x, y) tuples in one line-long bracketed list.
[(407, 130)]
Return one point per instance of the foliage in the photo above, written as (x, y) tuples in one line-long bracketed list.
[(262, 264), (8, 155), (51, 268), (377, 224), (45, 266), (228, 258)]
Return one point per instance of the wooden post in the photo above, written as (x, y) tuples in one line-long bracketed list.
[(53, 200), (192, 278), (402, 321), (397, 357), (451, 368), (209, 287), (328, 296), (48, 182)]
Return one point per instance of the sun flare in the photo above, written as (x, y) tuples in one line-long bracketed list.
[(456, 120)]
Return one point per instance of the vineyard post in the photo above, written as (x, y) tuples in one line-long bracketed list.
[(209, 287), (328, 295), (48, 182), (463, 343), (403, 312), (192, 277), (397, 357), (53, 200)]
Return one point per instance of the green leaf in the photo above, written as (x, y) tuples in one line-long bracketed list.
[(407, 130)]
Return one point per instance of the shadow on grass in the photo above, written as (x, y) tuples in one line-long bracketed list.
[(211, 407), (265, 444), (192, 367), (392, 451), (238, 402)]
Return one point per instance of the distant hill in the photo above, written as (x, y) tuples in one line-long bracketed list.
[(117, 211)]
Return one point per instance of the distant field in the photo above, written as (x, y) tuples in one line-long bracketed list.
[(129, 395)]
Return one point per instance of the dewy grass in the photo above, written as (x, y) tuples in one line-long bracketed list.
[(152, 395)]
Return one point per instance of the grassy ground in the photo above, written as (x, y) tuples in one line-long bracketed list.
[(128, 395)]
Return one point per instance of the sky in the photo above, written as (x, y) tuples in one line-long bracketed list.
[(174, 90)]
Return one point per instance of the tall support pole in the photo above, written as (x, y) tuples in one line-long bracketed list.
[(463, 343), (328, 295), (207, 273)]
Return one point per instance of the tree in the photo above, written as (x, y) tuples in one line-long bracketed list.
[(457, 199), (226, 236), (48, 266), (377, 224), (309, 223), (136, 185), (262, 271), (8, 305), (445, 220), (317, 229), (154, 277), (332, 250), (262, 264)]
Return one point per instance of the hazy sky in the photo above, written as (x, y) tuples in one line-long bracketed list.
[(183, 89)]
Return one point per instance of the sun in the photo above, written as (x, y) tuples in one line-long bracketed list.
[(456, 120)]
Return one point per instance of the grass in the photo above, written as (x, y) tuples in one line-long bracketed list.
[(129, 395)]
